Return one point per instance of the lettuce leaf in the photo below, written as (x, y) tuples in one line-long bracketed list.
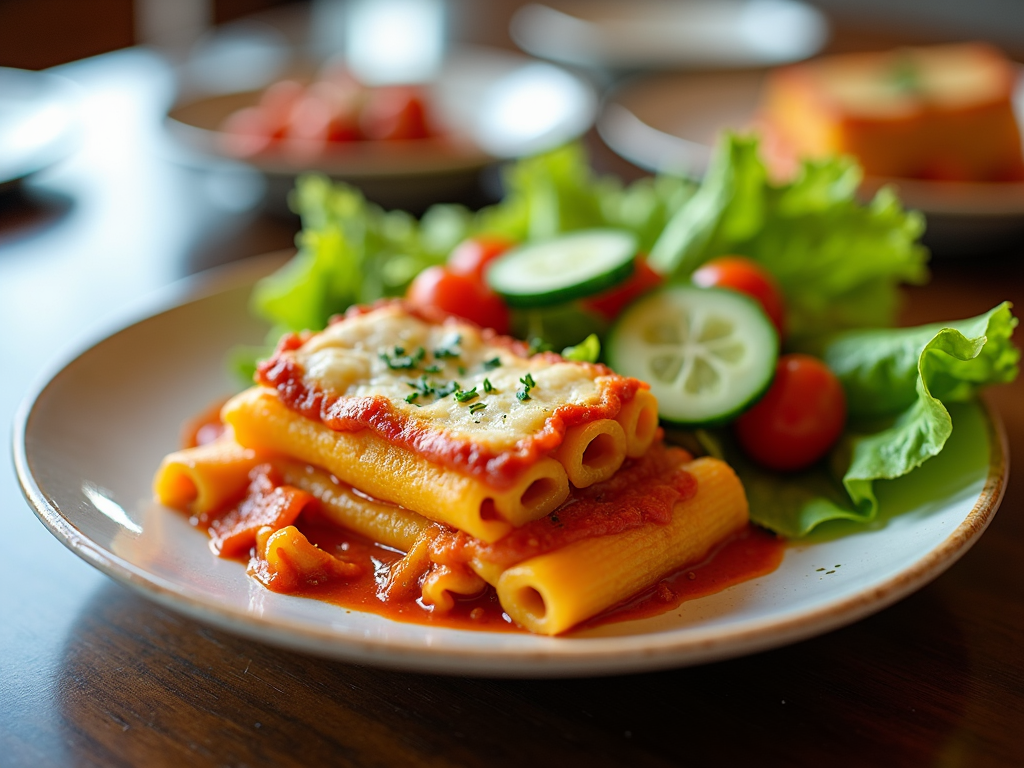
[(898, 384), (352, 251), (838, 262)]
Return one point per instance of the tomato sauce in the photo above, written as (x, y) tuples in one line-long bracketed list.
[(481, 612), (643, 492), (748, 554), (499, 468)]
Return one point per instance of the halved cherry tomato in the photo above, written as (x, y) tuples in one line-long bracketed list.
[(471, 256), (611, 302), (459, 295), (394, 114), (277, 103), (800, 417), (246, 132), (745, 276)]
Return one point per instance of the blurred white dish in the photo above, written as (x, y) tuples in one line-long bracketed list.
[(648, 34), (496, 104), (87, 441), (38, 122)]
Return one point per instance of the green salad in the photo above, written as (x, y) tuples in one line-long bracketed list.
[(750, 306)]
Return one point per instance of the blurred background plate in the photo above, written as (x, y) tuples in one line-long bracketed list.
[(38, 122), (644, 34), (496, 104), (669, 122)]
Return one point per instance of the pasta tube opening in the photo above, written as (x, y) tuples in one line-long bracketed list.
[(551, 593), (538, 492), (206, 477), (592, 452), (639, 420)]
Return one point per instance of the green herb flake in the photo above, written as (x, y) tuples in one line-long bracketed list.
[(462, 370), (488, 387), (443, 390), (449, 347), (494, 362), (526, 384), (422, 385), (434, 368), (397, 360), (477, 407), (411, 397), (465, 397)]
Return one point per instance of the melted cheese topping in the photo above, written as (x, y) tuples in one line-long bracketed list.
[(422, 367)]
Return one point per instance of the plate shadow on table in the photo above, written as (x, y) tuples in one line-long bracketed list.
[(137, 681)]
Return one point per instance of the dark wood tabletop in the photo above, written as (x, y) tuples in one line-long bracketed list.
[(92, 673)]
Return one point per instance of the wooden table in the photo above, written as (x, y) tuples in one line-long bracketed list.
[(93, 674)]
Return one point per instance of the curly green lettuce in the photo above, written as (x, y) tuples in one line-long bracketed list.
[(837, 261)]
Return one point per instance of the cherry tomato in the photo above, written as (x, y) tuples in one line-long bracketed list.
[(800, 417), (459, 295), (319, 117), (277, 103), (394, 114), (611, 302), (471, 257), (745, 276), (246, 133)]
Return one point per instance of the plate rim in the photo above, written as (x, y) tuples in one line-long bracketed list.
[(61, 146), (552, 657), (524, 36)]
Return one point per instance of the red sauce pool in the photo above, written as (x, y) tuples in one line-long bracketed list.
[(482, 612), (746, 555)]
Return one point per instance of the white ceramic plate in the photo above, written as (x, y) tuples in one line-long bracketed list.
[(88, 440), (670, 122), (498, 105), (38, 122), (691, 34)]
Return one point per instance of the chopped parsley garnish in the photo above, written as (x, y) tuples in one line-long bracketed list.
[(449, 347), (526, 384), (443, 390), (465, 397), (411, 397), (538, 345), (462, 370), (398, 360), (422, 385), (494, 362), (434, 368), (425, 387), (476, 407), (488, 387)]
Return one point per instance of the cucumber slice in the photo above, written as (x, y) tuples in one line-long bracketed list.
[(708, 354), (567, 267)]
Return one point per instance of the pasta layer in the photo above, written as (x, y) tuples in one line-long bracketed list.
[(390, 473), (553, 592)]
